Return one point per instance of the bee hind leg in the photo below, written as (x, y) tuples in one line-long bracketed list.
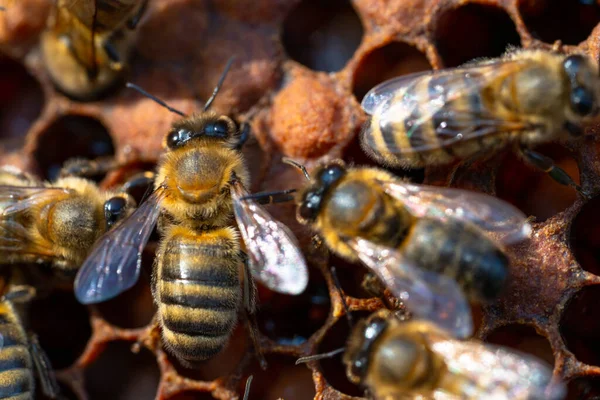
[(249, 299), (43, 369), (547, 165)]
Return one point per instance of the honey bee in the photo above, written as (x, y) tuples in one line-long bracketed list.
[(526, 98), (196, 279), (419, 240), (416, 359), (22, 358), (56, 222), (87, 43)]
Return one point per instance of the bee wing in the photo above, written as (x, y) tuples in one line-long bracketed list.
[(16, 201), (386, 90), (497, 372), (429, 295), (503, 221), (114, 263), (276, 259), (407, 103)]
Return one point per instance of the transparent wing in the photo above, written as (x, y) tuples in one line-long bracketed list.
[(276, 259), (428, 295), (494, 372), (114, 263), (496, 217), (386, 90), (447, 101), (15, 202), (16, 199)]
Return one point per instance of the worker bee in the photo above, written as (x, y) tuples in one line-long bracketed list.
[(87, 43), (524, 99), (416, 359), (56, 222), (21, 357), (196, 279), (419, 240)]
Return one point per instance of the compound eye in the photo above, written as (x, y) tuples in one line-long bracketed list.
[(310, 205), (332, 174), (218, 128), (573, 64), (582, 101), (177, 138), (114, 209)]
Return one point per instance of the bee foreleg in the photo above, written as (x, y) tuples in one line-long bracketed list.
[(249, 298), (547, 165), (81, 167), (43, 368), (143, 180)]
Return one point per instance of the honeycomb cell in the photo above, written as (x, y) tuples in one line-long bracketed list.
[(580, 326), (131, 309), (309, 117), (524, 339), (585, 236), (322, 35), (62, 325), (333, 368), (473, 31), (21, 102), (119, 374), (282, 380), (71, 136), (293, 319), (583, 389), (350, 276), (386, 62), (534, 192), (570, 21)]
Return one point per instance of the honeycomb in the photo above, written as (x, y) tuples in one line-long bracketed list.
[(301, 68)]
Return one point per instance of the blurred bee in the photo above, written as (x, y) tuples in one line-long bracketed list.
[(416, 359), (55, 223), (21, 357), (524, 99), (419, 240), (87, 43), (196, 279)]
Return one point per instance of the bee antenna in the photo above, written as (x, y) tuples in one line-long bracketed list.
[(153, 98), (296, 164), (321, 356), (336, 281), (247, 389), (219, 84)]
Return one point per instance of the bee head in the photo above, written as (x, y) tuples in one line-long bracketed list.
[(117, 208), (207, 126), (584, 86), (324, 178), (360, 345)]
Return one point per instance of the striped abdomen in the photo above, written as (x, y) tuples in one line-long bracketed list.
[(197, 289), (458, 251), (423, 126), (16, 366)]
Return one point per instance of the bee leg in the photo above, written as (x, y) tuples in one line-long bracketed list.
[(143, 180), (43, 368), (135, 20), (547, 165), (84, 168), (372, 285), (279, 196), (250, 308), (244, 135), (20, 294)]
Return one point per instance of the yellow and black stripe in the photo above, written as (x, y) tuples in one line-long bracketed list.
[(16, 365)]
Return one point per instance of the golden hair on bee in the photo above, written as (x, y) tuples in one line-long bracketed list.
[(55, 222), (523, 99)]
